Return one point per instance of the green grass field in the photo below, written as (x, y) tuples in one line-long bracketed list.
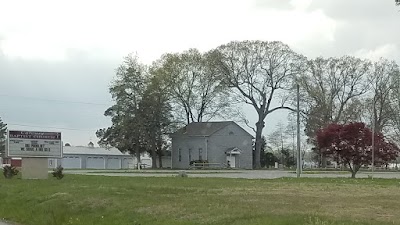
[(102, 200)]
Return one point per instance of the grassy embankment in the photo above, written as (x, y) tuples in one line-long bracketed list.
[(102, 200)]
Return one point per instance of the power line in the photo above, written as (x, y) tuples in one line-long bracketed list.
[(55, 100), (59, 128)]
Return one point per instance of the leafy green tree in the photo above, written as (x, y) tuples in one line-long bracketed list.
[(155, 113), (195, 89), (263, 152), (287, 159), (3, 134), (127, 90), (142, 111)]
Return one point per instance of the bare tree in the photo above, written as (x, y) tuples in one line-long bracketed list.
[(332, 89), (291, 131), (260, 73), (395, 106), (379, 107), (277, 138)]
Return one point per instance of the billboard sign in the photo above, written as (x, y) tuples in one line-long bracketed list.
[(34, 144)]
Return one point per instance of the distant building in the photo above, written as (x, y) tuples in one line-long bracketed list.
[(90, 157), (14, 161), (222, 144)]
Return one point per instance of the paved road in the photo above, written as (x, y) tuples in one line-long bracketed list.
[(4, 223), (245, 174)]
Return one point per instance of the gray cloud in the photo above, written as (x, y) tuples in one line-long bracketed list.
[(362, 24), (357, 9), (27, 88), (275, 4), (363, 27)]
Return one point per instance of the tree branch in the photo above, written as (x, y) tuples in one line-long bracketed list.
[(280, 107)]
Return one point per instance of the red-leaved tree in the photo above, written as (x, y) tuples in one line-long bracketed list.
[(351, 144)]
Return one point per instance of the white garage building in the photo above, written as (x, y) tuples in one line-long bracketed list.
[(90, 157)]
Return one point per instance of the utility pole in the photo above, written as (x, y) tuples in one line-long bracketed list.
[(373, 136), (299, 166), (293, 142)]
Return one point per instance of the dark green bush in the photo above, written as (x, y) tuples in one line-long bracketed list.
[(182, 173), (58, 172), (9, 171), (198, 161)]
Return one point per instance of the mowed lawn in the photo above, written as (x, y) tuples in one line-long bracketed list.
[(104, 200)]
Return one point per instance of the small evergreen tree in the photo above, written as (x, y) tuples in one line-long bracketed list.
[(58, 172), (9, 171), (270, 159)]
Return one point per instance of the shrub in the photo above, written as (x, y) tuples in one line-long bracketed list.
[(198, 161), (9, 171), (58, 172), (182, 173)]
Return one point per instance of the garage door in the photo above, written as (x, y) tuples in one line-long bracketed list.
[(113, 163), (127, 163), (95, 163), (71, 162)]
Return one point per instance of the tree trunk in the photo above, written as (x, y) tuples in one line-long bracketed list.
[(138, 157), (153, 157), (160, 161), (159, 152), (354, 170), (259, 128), (323, 161)]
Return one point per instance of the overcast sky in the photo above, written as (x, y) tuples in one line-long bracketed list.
[(57, 58)]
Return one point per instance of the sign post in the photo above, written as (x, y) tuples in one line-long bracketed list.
[(34, 147)]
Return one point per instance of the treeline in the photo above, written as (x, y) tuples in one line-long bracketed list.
[(190, 86)]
